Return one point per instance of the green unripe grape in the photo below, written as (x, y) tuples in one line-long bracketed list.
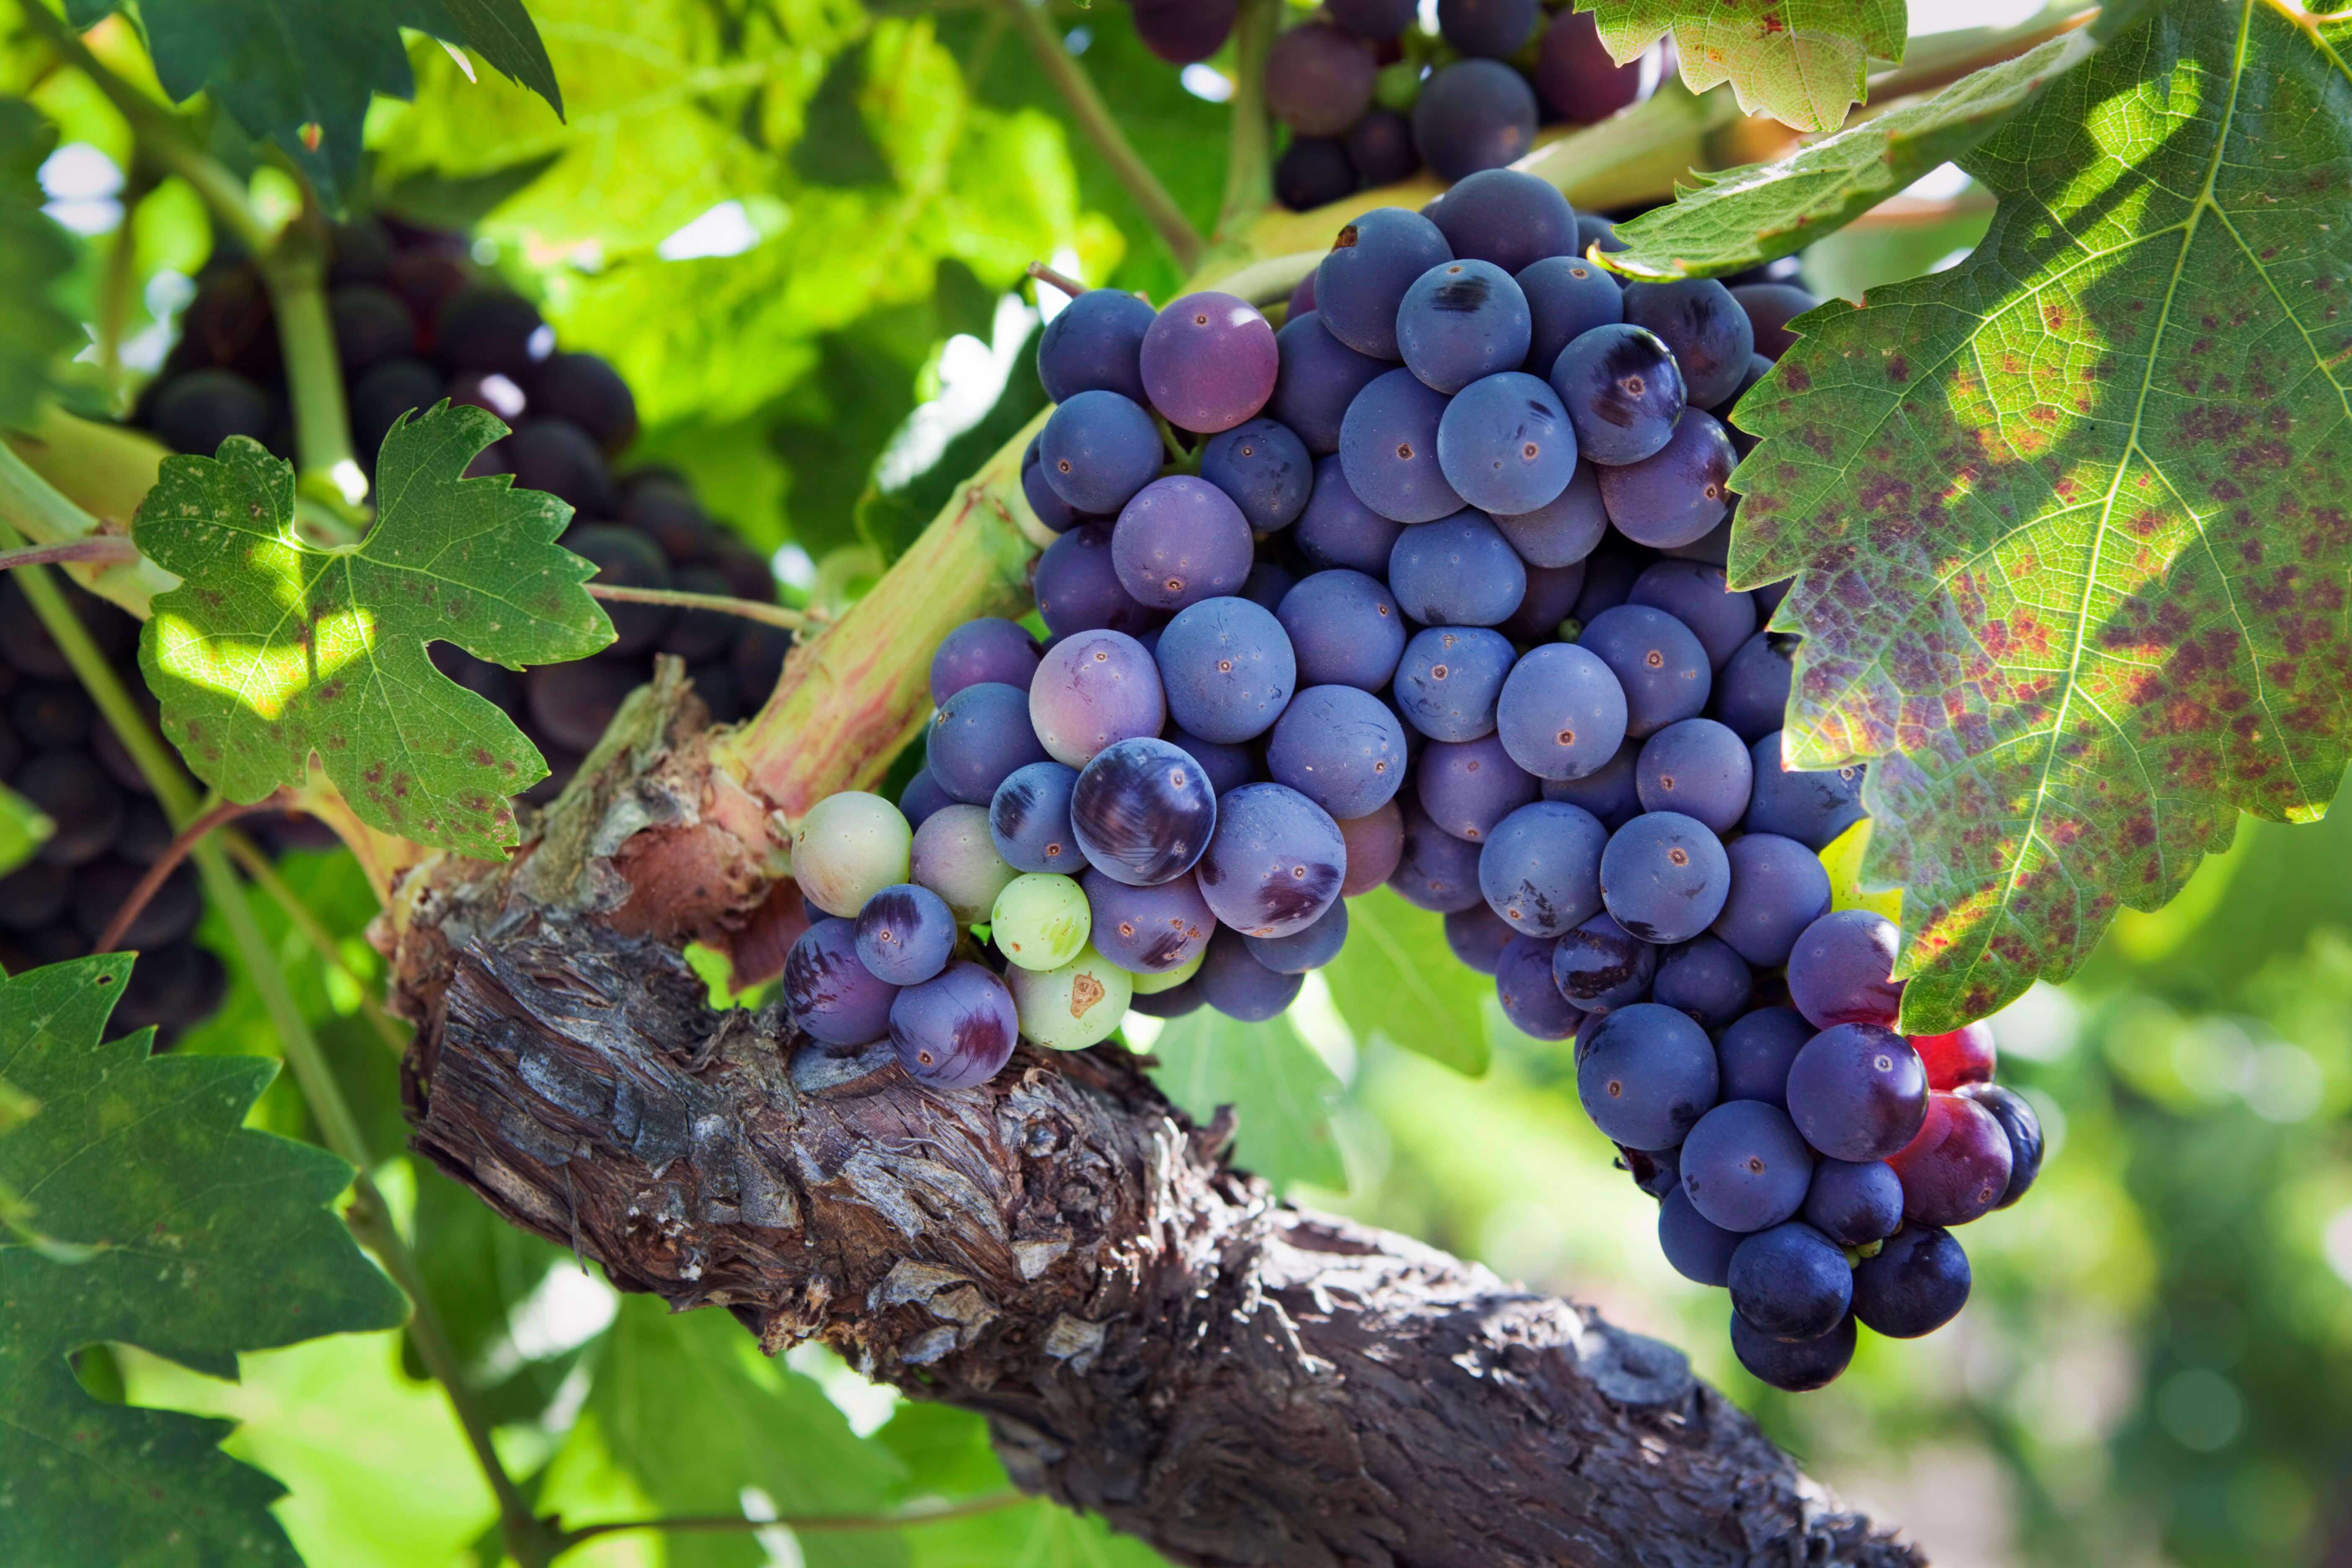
[(1074, 1007), (955, 858), (1168, 979), (848, 848), (1041, 920)]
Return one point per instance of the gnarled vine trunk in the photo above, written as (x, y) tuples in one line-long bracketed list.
[(1149, 1333)]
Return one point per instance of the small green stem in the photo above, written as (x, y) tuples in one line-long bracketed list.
[(296, 271), (783, 616), (32, 508), (1249, 147)]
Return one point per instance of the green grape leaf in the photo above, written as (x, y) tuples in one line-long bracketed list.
[(1803, 62), (23, 829), (2072, 517), (1743, 218), (1281, 1093), (281, 67), (1396, 976), (274, 648), (36, 331), (202, 1239)]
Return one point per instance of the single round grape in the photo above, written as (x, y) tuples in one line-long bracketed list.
[(1095, 344), (1694, 593), (979, 737), (1647, 1075), (1790, 1282), (847, 848), (1699, 1250), (1608, 792), (1146, 983), (1841, 970), (1380, 150), (1388, 451), (1318, 80), (1473, 114), (1563, 532), (1183, 32), (1373, 18), (1744, 1166), (1622, 390), (1505, 444), (1097, 448), (1477, 936), (831, 995), (1779, 888), (1710, 333), (1462, 321), (1319, 376), (1173, 1002), (1680, 492), (1751, 691), (1359, 285), (984, 650), (1337, 530), (1704, 979), (1263, 468), (1797, 1365), (1143, 811), (1854, 1204), (1914, 1285), (1509, 218), (955, 857), (1340, 747), (1857, 1091), (1467, 787), (1313, 948), (1228, 669), (1770, 307), (1236, 984), (1092, 690), (1275, 863), (1576, 75), (1039, 921), (1228, 766), (1593, 229), (1601, 967), (1375, 844), (1659, 664), (1698, 767), (1530, 1000), (1345, 628), (1179, 542), (1491, 28), (1311, 172), (1562, 712), (1460, 573), (956, 1030), (1541, 869), (1963, 1055), (905, 934), (1435, 870), (1078, 590), (1567, 297), (1543, 613), (1209, 363), (1449, 679), (2022, 1127), (1073, 1004), (1029, 820), (1810, 807), (1957, 1167), (1147, 931), (1755, 1052)]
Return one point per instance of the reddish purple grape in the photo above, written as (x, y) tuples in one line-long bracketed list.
[(1183, 31), (1841, 970), (1962, 1055), (830, 992), (1575, 75), (1318, 80), (956, 1030), (1958, 1166), (1375, 844), (2023, 1126), (1209, 363), (1092, 690), (1180, 541), (1142, 811)]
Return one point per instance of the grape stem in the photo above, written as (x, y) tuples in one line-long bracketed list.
[(1249, 144), (109, 548), (1101, 128), (1045, 274), (187, 839), (901, 1518), (783, 616), (30, 503)]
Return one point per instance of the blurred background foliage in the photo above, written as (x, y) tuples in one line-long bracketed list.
[(798, 227)]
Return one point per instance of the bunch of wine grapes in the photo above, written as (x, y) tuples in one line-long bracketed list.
[(416, 322)]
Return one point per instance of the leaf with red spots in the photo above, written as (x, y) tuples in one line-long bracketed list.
[(1803, 62), (169, 1226), (275, 649), (2074, 519)]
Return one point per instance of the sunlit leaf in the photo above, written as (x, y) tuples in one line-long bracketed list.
[(1803, 62), (1281, 1092), (1396, 976)]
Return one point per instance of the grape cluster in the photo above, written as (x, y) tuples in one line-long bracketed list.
[(417, 321)]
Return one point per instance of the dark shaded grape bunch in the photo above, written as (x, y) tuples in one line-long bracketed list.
[(415, 321)]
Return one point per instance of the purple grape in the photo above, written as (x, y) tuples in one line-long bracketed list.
[(1338, 531), (1523, 985), (1173, 1003), (1745, 1167), (1228, 766), (1311, 172), (1577, 78), (1388, 451), (1665, 877), (1811, 807), (1467, 787), (1313, 948), (1462, 321), (1699, 1250), (1511, 220), (979, 737), (1179, 542), (1380, 150), (1373, 18), (1345, 629), (1957, 1167), (1266, 583), (1769, 596), (1477, 936), (1236, 984), (1646, 1076), (1147, 930), (1318, 80), (987, 650), (1659, 664), (1622, 390), (1855, 1205), (1796, 1365), (1710, 333), (1375, 843), (1263, 468), (1095, 344), (1704, 979), (2022, 1127), (1841, 970), (1608, 792), (921, 798), (1777, 889), (1694, 594), (1228, 669), (956, 1030), (1858, 1091), (1754, 1054), (1029, 820), (1914, 1285), (1698, 767), (1319, 376), (1562, 713), (1505, 444), (832, 995), (1541, 869), (1275, 863), (1097, 449), (1564, 531), (1601, 967), (1473, 114), (1092, 690), (905, 934), (1460, 572), (1142, 811), (1770, 307), (1078, 590), (1209, 363), (1449, 679), (1790, 1282), (1567, 297), (1184, 31), (1359, 285), (1593, 229), (1751, 691), (1678, 493), (1435, 870), (1340, 747)]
